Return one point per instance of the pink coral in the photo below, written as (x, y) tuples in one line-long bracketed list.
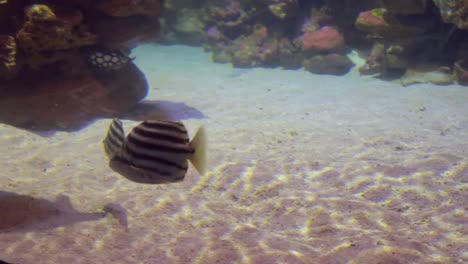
[(370, 18), (373, 21), (326, 39)]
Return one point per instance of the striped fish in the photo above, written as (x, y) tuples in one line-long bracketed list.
[(114, 138), (155, 151)]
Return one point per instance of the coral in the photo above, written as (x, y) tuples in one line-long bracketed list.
[(44, 31), (454, 11), (40, 13), (326, 39), (227, 11), (190, 25), (309, 25), (372, 21), (214, 34), (228, 15), (296, 31), (45, 46), (8, 66), (381, 24), (373, 63), (190, 20), (253, 50), (284, 8), (318, 17), (385, 60)]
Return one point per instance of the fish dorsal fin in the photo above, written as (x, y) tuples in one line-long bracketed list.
[(114, 139), (199, 144)]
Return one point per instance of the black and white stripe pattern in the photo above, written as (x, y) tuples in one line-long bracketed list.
[(161, 147), (114, 139), (155, 152)]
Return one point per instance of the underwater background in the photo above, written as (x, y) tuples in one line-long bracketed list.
[(329, 141)]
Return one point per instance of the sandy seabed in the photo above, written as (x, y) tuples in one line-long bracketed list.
[(303, 168)]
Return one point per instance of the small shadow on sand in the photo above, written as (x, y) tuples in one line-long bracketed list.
[(164, 110), (22, 213)]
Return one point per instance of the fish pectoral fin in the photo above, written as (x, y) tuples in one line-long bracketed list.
[(199, 144)]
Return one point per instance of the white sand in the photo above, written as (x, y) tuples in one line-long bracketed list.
[(303, 168)]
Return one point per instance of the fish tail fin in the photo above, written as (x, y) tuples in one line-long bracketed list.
[(114, 139), (198, 143)]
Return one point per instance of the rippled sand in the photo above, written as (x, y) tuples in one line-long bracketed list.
[(303, 169)]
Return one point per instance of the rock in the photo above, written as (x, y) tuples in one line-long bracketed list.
[(405, 7), (127, 32), (45, 80), (319, 17), (45, 31), (123, 8), (462, 49), (379, 22), (228, 15), (326, 39), (334, 64), (454, 11), (461, 71), (47, 101), (395, 61), (220, 56), (372, 21), (373, 63), (322, 16), (439, 76), (288, 55), (177, 4)]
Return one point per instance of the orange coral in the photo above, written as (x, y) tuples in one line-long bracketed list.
[(326, 39)]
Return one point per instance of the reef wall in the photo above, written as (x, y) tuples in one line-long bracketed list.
[(72, 57), (415, 40)]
